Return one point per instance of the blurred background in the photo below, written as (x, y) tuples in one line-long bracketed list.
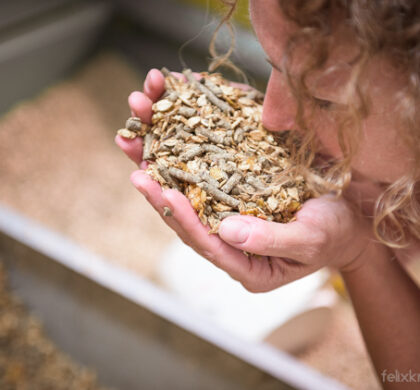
[(66, 70)]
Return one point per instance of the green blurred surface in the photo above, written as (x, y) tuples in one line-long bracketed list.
[(241, 14)]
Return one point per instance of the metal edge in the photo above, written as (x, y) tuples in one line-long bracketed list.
[(142, 292), (39, 33)]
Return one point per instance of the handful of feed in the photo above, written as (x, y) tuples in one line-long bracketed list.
[(207, 141)]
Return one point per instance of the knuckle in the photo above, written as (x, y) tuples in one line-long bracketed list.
[(274, 241), (185, 240), (209, 255), (212, 254)]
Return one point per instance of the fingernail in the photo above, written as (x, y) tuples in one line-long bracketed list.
[(147, 82), (148, 77), (234, 231)]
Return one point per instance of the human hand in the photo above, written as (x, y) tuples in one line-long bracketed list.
[(184, 220), (326, 231)]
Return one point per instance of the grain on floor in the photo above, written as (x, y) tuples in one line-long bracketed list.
[(60, 166)]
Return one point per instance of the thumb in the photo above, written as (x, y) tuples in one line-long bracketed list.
[(254, 235)]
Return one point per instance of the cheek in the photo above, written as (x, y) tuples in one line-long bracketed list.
[(324, 124), (383, 156)]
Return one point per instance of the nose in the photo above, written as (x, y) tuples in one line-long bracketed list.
[(279, 108)]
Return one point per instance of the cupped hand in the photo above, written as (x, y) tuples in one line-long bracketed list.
[(326, 230)]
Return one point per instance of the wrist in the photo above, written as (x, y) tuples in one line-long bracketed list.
[(361, 246), (369, 258)]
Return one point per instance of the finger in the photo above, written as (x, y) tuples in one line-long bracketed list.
[(154, 85), (152, 191), (133, 148), (292, 240), (254, 272), (203, 244), (141, 106), (284, 272), (234, 262), (181, 76), (244, 87), (154, 195)]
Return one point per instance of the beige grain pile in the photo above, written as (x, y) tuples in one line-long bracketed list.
[(341, 353), (207, 141), (28, 359), (59, 165)]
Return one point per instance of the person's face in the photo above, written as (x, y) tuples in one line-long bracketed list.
[(382, 156)]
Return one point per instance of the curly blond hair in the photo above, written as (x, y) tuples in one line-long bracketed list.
[(380, 27)]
